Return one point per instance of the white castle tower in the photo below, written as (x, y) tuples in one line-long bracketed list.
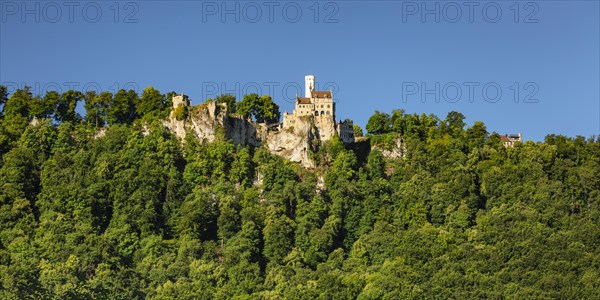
[(309, 85)]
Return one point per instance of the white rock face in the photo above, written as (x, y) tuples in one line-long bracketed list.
[(325, 127), (202, 121), (208, 120), (241, 132), (398, 151), (294, 143)]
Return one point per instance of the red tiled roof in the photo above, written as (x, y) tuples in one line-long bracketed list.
[(504, 138), (320, 94), (304, 100)]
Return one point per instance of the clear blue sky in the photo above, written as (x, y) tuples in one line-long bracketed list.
[(372, 53)]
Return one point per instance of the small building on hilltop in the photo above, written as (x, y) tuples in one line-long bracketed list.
[(181, 100), (509, 140), (320, 106), (346, 131)]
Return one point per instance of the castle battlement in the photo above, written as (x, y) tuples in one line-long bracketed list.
[(181, 100)]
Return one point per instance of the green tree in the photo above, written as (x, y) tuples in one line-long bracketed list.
[(455, 122), (122, 109), (16, 117), (358, 132), (375, 165), (278, 234), (152, 103), (65, 108), (476, 135), (19, 104), (378, 123), (96, 107), (44, 108), (262, 108), (3, 96), (228, 99)]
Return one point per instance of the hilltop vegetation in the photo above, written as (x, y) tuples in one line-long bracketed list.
[(134, 213)]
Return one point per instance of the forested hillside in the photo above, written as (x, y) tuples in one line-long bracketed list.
[(113, 206)]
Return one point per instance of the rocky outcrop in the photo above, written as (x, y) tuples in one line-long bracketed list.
[(242, 131), (325, 127), (398, 150), (209, 120), (203, 121), (295, 142)]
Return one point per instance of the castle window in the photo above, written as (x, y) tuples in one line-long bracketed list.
[(316, 113), (322, 113), (328, 112), (327, 105)]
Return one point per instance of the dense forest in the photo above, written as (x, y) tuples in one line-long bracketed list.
[(111, 205)]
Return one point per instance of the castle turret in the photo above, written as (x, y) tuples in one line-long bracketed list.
[(309, 85), (181, 99)]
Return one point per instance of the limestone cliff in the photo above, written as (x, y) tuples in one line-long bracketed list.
[(208, 120), (397, 150), (295, 142)]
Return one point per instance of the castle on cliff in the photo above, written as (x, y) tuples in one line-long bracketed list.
[(320, 106), (316, 106)]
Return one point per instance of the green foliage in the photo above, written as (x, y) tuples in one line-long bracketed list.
[(476, 135), (151, 104), (358, 132), (385, 141), (17, 107), (379, 123), (122, 109), (228, 99), (65, 108), (180, 112), (96, 107), (44, 108), (454, 123), (137, 214), (3, 95), (262, 109)]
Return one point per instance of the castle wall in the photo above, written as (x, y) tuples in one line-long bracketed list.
[(324, 106), (304, 109)]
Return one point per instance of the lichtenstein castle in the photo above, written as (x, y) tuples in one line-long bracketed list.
[(312, 120), (320, 106)]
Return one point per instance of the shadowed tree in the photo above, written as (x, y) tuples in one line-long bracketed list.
[(3, 96), (96, 107), (122, 109), (65, 108)]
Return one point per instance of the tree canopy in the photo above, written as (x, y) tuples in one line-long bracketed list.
[(262, 109), (136, 213)]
